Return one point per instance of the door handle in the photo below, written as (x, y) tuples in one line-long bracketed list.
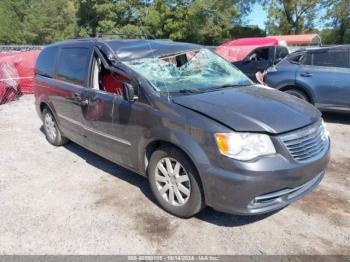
[(306, 74), (79, 99), (84, 102), (76, 96)]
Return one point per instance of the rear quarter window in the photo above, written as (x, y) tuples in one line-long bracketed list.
[(45, 64), (73, 64), (332, 58)]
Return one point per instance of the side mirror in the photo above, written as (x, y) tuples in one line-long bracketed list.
[(129, 92)]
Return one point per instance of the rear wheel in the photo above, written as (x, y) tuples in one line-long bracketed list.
[(299, 94), (175, 182), (52, 132)]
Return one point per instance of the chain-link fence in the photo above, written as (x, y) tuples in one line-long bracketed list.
[(19, 48)]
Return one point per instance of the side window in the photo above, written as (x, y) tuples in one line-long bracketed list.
[(332, 58), (260, 54), (281, 52), (45, 63), (73, 64), (308, 59)]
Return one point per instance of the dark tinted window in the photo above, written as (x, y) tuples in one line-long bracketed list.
[(260, 54), (308, 59), (332, 58), (73, 64), (281, 52), (45, 63)]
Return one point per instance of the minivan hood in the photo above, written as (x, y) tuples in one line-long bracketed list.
[(252, 109)]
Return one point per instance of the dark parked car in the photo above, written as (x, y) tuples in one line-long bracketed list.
[(177, 113), (260, 59), (320, 76)]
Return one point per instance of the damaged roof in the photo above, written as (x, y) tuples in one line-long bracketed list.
[(127, 50)]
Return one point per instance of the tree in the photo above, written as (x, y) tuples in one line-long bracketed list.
[(209, 22), (11, 20), (338, 18), (291, 16), (109, 16), (48, 21), (205, 21)]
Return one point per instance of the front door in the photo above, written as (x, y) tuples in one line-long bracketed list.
[(106, 114)]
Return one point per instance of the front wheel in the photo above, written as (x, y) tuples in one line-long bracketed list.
[(175, 182)]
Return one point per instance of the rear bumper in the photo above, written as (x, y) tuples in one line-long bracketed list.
[(261, 187)]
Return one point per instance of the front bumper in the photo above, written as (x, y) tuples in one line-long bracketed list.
[(262, 186)]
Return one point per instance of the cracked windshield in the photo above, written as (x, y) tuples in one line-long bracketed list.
[(192, 71)]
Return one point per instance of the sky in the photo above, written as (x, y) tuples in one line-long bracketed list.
[(258, 16)]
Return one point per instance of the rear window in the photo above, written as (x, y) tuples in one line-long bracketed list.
[(45, 63), (332, 58), (73, 64)]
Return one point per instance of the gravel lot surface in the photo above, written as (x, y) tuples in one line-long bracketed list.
[(69, 201)]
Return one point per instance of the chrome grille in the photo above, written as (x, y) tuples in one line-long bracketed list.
[(307, 143)]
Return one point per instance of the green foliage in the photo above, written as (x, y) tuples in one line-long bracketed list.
[(11, 20), (338, 18), (36, 21), (291, 16), (48, 21), (208, 22)]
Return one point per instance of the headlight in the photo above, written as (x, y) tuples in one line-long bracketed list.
[(244, 146), (326, 133)]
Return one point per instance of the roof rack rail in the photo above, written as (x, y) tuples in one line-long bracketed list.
[(147, 36)]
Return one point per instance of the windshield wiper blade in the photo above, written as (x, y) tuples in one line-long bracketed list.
[(185, 91), (226, 86)]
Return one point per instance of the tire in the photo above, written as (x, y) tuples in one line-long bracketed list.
[(189, 187), (299, 94), (52, 132)]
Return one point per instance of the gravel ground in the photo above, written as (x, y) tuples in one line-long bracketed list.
[(69, 201)]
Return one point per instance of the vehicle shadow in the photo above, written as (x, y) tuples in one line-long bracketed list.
[(208, 215), (212, 216), (337, 118)]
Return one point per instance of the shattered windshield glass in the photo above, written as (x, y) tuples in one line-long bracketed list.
[(192, 71)]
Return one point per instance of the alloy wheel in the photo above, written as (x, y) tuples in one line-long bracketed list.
[(50, 127), (172, 181)]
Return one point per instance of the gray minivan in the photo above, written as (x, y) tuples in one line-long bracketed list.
[(198, 129)]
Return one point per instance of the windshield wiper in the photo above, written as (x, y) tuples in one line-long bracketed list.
[(225, 86), (186, 91)]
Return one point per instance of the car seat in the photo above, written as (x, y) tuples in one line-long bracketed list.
[(113, 83)]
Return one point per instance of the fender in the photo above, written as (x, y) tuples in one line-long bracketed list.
[(307, 89), (44, 100), (175, 137)]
